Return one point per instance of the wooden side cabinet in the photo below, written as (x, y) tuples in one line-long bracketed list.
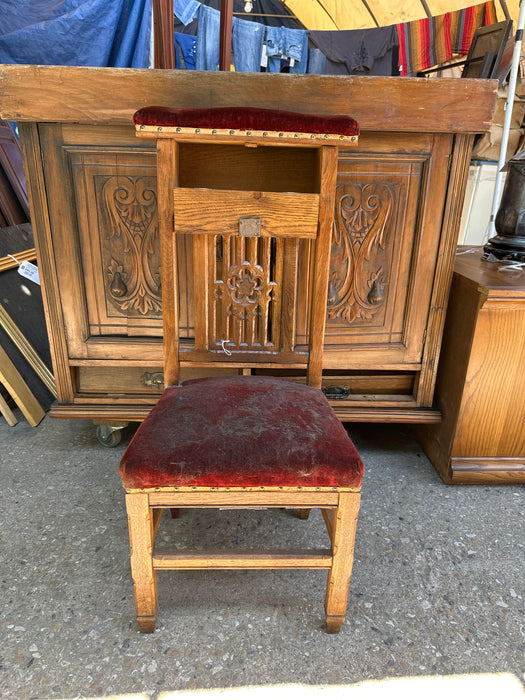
[(481, 376)]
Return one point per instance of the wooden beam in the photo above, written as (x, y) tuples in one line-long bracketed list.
[(225, 53), (242, 499), (249, 559), (112, 96), (163, 29)]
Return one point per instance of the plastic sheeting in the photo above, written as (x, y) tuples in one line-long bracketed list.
[(76, 32)]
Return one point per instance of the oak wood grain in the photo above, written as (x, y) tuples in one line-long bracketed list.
[(209, 559), (141, 521), (481, 379), (282, 214), (77, 94), (343, 528)]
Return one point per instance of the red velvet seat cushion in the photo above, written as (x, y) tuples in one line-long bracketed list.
[(241, 431), (247, 118)]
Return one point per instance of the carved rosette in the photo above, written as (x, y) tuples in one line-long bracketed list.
[(358, 274), (245, 295), (133, 271)]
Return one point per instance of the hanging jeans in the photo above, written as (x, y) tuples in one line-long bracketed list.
[(282, 42), (185, 50), (208, 39), (185, 10), (247, 45), (316, 61)]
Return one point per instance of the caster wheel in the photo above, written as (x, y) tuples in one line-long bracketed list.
[(108, 436)]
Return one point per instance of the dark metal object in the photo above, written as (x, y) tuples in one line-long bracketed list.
[(509, 244), (155, 379), (336, 393)]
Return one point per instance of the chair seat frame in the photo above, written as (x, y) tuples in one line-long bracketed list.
[(339, 507)]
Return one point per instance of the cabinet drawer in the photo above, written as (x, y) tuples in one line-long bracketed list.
[(133, 380), (212, 211)]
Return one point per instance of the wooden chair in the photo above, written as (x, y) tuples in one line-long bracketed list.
[(260, 232)]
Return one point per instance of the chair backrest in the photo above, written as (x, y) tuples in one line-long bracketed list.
[(260, 259), (253, 212)]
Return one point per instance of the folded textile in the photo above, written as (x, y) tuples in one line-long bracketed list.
[(316, 62), (464, 23), (185, 10)]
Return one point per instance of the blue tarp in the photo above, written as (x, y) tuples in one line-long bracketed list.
[(76, 32)]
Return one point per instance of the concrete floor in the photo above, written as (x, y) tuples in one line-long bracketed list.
[(438, 586)]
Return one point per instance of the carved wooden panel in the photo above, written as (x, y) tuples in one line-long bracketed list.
[(249, 280), (372, 275), (130, 253), (359, 262), (118, 234)]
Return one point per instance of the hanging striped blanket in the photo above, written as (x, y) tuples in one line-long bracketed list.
[(429, 42)]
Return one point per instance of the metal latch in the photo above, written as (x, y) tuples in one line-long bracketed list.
[(250, 228)]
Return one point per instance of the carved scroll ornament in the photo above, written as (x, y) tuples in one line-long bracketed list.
[(134, 280), (357, 269)]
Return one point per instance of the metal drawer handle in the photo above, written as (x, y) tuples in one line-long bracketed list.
[(155, 379), (336, 393)]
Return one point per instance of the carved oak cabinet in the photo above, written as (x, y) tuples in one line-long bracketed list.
[(92, 186)]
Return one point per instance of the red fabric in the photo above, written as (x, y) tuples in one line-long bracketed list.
[(247, 118), (424, 43), (490, 14), (241, 431), (432, 41)]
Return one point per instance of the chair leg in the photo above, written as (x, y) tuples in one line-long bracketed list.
[(141, 536), (304, 513), (343, 538)]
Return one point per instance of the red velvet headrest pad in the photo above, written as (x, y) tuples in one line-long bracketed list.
[(247, 118)]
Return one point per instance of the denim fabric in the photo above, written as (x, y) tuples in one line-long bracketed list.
[(76, 32), (185, 49), (316, 62), (185, 10), (290, 43), (247, 45), (208, 39)]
